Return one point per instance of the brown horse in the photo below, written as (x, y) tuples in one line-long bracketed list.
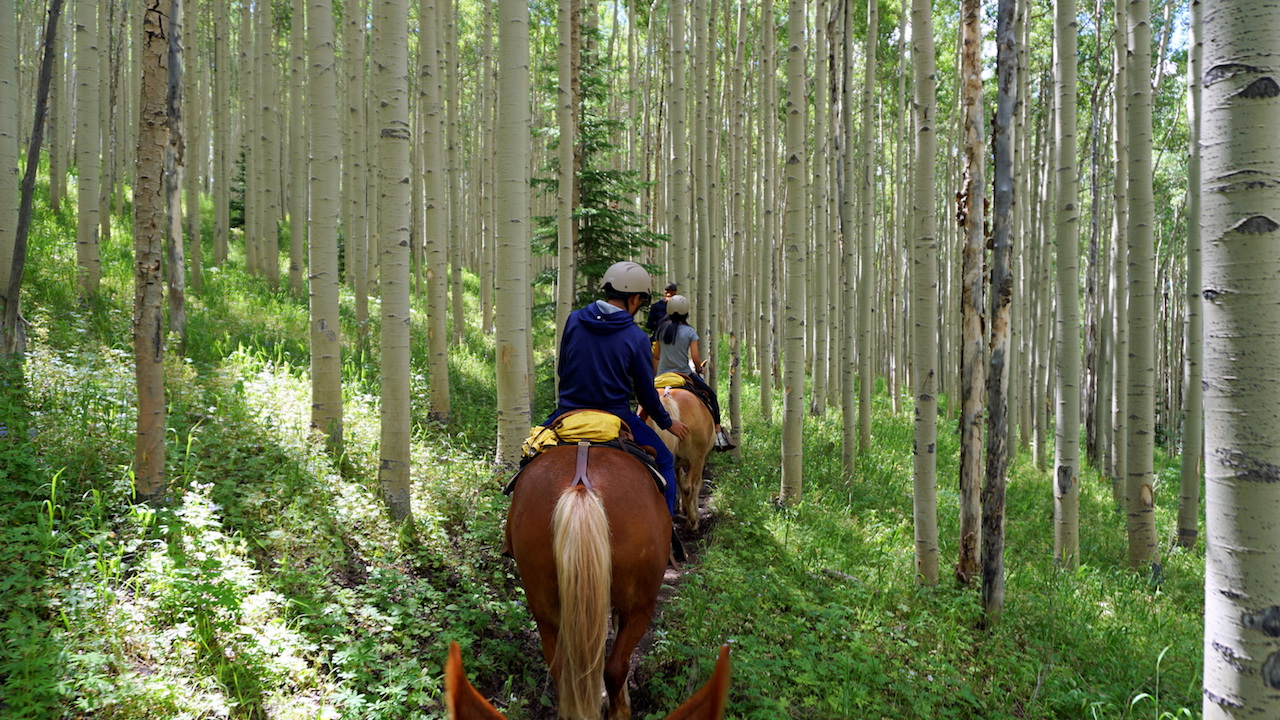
[(466, 703), (690, 453), (583, 548)]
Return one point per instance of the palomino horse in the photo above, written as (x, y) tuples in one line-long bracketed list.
[(466, 703), (690, 453), (583, 547)]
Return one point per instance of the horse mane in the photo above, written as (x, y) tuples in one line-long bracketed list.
[(580, 531)]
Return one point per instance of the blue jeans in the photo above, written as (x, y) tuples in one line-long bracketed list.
[(645, 435)]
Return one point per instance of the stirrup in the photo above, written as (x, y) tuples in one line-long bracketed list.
[(723, 443)]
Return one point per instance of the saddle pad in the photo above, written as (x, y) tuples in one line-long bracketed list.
[(572, 427), (671, 379)]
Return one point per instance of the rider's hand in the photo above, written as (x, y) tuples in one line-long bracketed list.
[(678, 429)]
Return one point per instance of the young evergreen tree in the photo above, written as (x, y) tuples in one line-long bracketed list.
[(607, 227)]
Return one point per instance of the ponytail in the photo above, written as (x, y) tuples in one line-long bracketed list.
[(668, 329)]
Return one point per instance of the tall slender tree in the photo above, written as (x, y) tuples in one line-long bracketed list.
[(1193, 400), (221, 129), (794, 243), (867, 205), (8, 136), (436, 220), (390, 58), (322, 228), (174, 167), (1066, 486), (148, 250), (678, 168), (511, 317), (1240, 192), (566, 181), (1140, 488), (973, 270), (924, 298), (1002, 286), (88, 144), (298, 185)]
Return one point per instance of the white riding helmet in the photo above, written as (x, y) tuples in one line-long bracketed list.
[(677, 305), (627, 277)]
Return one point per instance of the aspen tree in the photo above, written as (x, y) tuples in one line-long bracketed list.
[(737, 286), (679, 248), (13, 338), (1240, 220), (817, 289), (57, 113), (1066, 464), (196, 133), (107, 142), (248, 148), (88, 144), (9, 137), (436, 219), (867, 204), (174, 162), (1143, 549), (221, 127), (1120, 260), (390, 62), (269, 165), (765, 287), (794, 243), (297, 147), (1193, 399), (566, 178), (454, 171), (513, 231), (973, 268), (851, 283), (322, 228), (486, 218), (924, 302), (148, 249), (1002, 288), (355, 175)]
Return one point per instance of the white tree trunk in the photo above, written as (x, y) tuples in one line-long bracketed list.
[(1193, 402), (88, 143), (322, 228), (511, 318), (1240, 192), (924, 304), (795, 242), (390, 62), (8, 137), (1143, 548), (1066, 485)]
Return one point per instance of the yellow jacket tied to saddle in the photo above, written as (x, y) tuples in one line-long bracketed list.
[(572, 427), (671, 379)]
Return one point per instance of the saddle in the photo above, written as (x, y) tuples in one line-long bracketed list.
[(684, 382), (585, 428)]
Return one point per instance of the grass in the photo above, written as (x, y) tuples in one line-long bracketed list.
[(273, 586)]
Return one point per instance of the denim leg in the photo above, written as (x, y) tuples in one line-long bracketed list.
[(665, 461)]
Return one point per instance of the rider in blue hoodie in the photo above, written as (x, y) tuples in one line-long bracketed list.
[(605, 360)]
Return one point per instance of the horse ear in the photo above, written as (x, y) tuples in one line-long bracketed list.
[(463, 701), (708, 703)]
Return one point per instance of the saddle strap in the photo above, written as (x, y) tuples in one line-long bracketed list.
[(580, 474)]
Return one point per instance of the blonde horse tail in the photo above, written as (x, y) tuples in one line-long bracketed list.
[(580, 531)]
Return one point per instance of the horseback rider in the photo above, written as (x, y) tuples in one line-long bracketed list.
[(675, 344), (658, 310), (605, 360)]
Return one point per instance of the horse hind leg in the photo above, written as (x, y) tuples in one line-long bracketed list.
[(617, 667)]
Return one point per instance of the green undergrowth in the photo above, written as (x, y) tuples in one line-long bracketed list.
[(272, 585)]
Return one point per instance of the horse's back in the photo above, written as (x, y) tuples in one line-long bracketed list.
[(638, 518)]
